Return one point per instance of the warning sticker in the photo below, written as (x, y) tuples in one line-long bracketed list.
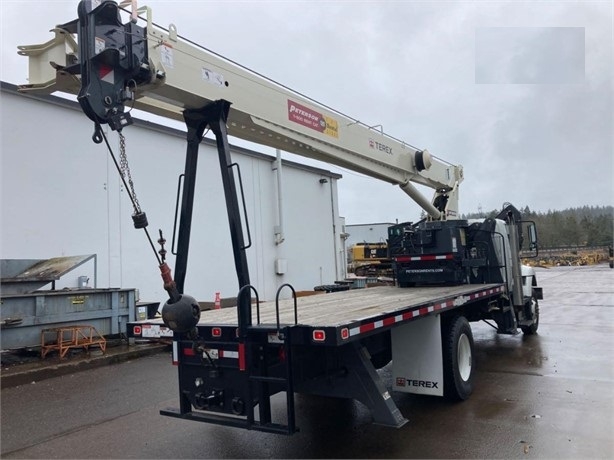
[(310, 118), (99, 45), (155, 331), (106, 73), (166, 56), (211, 352), (78, 300), (212, 77)]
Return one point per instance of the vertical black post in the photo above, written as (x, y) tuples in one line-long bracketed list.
[(196, 127), (217, 123)]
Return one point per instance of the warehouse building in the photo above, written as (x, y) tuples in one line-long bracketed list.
[(61, 196)]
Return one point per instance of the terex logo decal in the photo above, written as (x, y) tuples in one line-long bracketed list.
[(310, 118), (402, 382), (379, 146)]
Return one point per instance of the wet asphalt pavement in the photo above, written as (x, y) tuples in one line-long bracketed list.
[(544, 396)]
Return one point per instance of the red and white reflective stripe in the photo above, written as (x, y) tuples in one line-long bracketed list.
[(215, 353), (457, 301), (423, 258), (175, 353), (212, 353), (228, 354)]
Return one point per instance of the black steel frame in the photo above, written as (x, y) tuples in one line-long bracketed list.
[(214, 116)]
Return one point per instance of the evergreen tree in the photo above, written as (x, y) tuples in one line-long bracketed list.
[(585, 226)]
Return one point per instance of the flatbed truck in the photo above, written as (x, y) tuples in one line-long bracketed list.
[(331, 345), (231, 362)]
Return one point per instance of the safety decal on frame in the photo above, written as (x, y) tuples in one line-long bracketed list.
[(99, 45), (213, 77), (166, 56)]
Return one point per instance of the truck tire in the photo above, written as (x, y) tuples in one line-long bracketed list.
[(458, 359), (532, 329)]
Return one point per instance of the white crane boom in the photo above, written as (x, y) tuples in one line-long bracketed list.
[(182, 75)]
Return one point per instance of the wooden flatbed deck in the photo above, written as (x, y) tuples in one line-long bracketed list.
[(345, 315), (340, 308)]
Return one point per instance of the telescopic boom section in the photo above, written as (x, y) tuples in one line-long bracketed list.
[(158, 72)]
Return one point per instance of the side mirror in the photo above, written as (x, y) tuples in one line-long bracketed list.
[(530, 246)]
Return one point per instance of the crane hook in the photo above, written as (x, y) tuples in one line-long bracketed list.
[(97, 136)]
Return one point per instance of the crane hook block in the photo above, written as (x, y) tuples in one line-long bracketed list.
[(182, 315), (113, 60)]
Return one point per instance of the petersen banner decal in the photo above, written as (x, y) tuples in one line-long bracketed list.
[(311, 119)]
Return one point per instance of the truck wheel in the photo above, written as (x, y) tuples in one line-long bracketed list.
[(458, 359), (532, 329)]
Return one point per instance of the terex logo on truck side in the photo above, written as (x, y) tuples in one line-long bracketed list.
[(403, 382)]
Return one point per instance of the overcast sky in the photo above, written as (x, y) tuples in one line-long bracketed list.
[(519, 93)]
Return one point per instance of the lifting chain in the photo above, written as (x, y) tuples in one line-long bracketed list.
[(125, 172), (138, 217)]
